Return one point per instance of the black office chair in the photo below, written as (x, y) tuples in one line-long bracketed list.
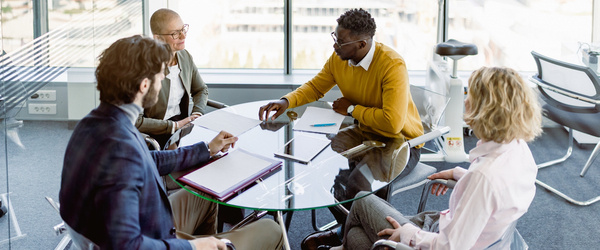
[(572, 96)]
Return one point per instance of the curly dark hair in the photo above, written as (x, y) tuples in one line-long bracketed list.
[(125, 64), (358, 21)]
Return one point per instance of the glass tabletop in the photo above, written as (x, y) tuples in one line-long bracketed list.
[(333, 177)]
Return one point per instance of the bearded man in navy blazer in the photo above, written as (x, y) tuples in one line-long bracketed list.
[(111, 191)]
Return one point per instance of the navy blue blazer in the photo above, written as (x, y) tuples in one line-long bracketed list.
[(111, 191)]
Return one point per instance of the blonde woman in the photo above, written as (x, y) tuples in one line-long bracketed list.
[(489, 196)]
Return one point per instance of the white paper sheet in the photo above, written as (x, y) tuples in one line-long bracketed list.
[(230, 122), (315, 115)]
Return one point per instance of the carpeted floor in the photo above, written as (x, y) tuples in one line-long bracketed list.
[(551, 223)]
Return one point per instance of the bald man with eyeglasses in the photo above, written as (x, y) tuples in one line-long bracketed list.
[(181, 84)]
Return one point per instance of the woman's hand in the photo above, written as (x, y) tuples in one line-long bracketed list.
[(440, 189), (394, 232)]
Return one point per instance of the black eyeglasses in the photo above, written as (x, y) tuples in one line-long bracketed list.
[(335, 40), (177, 34)]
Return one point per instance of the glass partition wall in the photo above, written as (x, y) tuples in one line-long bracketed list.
[(42, 43), (47, 44)]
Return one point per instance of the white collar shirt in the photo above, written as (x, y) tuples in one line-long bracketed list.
[(176, 92), (366, 61)]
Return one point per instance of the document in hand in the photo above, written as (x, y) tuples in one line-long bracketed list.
[(229, 174), (319, 120), (227, 121)]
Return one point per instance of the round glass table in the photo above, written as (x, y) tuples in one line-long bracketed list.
[(352, 162)]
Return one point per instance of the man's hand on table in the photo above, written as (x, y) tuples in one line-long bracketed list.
[(279, 106), (341, 105)]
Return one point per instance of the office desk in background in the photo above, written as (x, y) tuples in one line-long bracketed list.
[(323, 182)]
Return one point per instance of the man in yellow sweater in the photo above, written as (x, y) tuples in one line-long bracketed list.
[(373, 80), (371, 76)]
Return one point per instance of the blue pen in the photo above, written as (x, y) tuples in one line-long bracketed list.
[(323, 124)]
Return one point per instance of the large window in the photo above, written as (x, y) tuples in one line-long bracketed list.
[(506, 31), (408, 26), (73, 32), (249, 34), (233, 34), (16, 29), (84, 28)]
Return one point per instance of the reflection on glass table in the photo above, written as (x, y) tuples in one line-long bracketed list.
[(353, 161), (327, 180)]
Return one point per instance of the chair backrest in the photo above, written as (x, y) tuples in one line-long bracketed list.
[(80, 241), (431, 107), (511, 239), (566, 85)]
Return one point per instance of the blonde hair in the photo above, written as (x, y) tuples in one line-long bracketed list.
[(159, 18), (502, 107)]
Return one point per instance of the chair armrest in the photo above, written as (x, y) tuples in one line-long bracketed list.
[(427, 187), (216, 104), (541, 84), (390, 244), (447, 183), (429, 136), (151, 141)]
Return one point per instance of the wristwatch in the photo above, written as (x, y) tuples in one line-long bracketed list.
[(350, 109)]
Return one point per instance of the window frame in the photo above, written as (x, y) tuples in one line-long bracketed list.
[(40, 25)]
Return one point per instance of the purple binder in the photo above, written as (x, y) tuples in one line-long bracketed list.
[(227, 175)]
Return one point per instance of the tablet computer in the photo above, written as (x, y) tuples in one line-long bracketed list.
[(303, 147)]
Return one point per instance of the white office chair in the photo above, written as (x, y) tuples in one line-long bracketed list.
[(431, 107), (511, 239), (76, 240), (80, 242)]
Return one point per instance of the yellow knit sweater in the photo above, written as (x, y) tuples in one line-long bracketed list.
[(381, 94)]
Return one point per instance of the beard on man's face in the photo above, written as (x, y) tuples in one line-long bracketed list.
[(151, 96)]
